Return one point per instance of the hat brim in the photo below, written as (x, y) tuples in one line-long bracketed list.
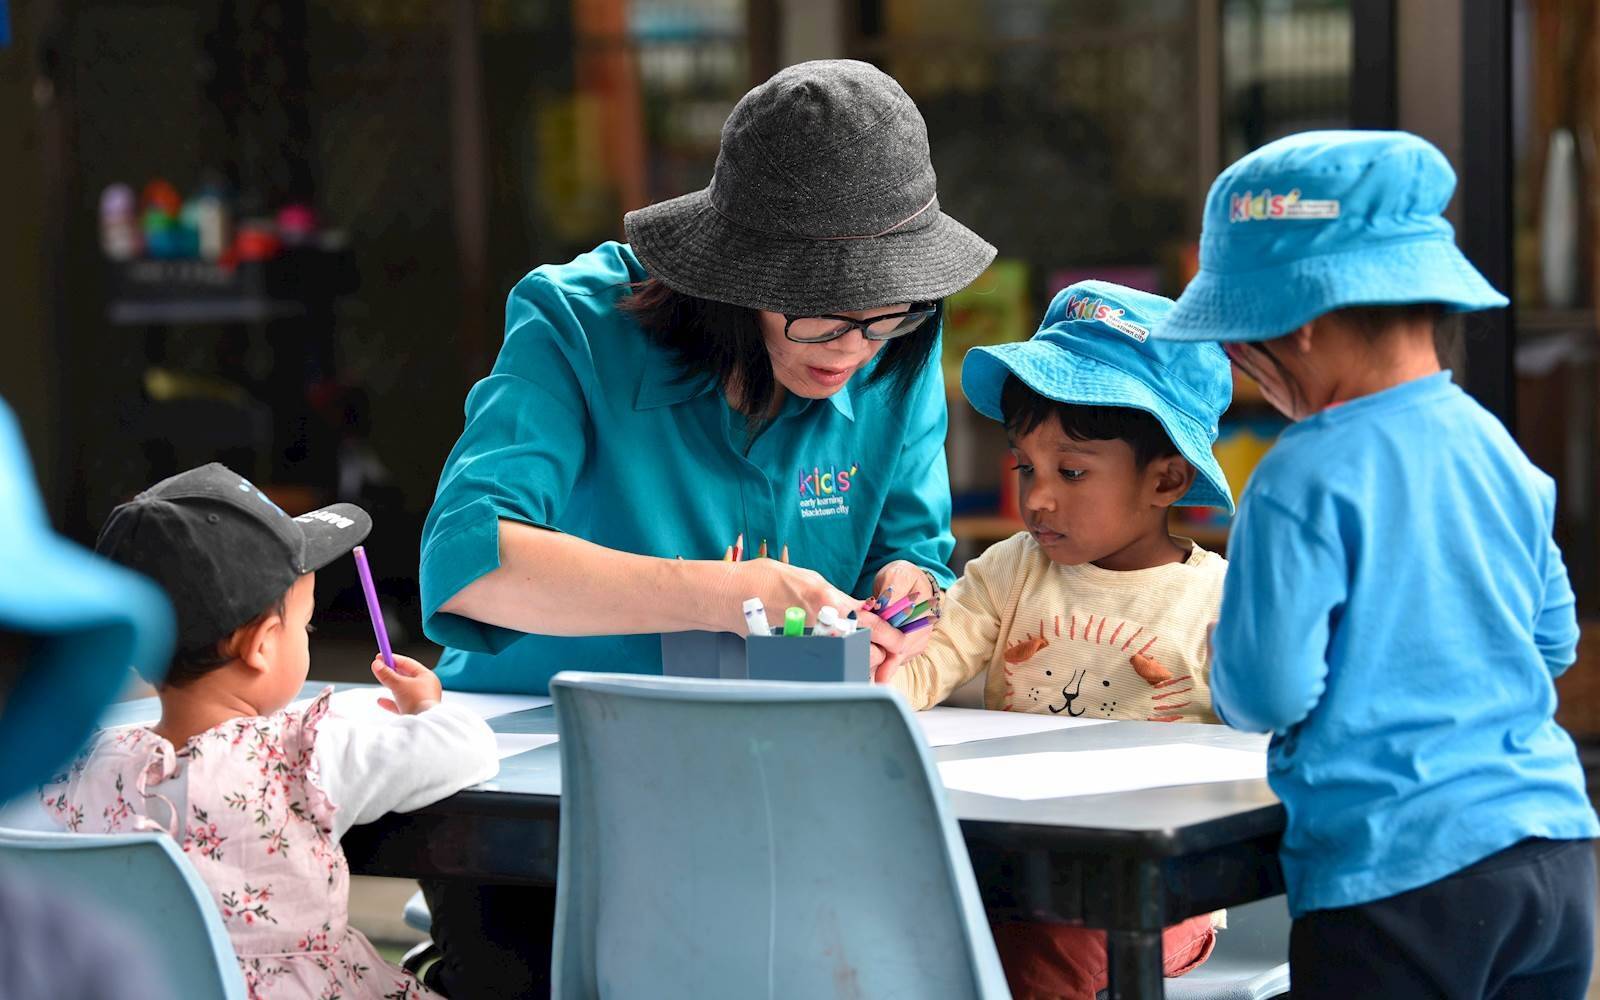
[(328, 539), (1074, 378), (91, 621), (695, 250), (1273, 301)]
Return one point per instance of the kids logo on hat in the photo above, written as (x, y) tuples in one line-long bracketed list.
[(823, 493), (1086, 308), (1248, 206)]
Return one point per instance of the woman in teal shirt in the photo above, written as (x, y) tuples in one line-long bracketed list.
[(758, 360)]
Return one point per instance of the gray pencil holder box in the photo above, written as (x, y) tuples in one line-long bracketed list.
[(775, 657)]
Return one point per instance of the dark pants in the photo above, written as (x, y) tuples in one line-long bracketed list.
[(1518, 924), (495, 939)]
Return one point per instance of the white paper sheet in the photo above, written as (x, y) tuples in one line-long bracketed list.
[(944, 727), (1056, 774), (511, 744), (361, 704)]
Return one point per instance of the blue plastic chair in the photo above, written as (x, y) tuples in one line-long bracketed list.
[(416, 916), (1250, 961), (749, 839), (142, 881)]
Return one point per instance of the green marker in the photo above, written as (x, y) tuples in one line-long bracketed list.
[(794, 621)]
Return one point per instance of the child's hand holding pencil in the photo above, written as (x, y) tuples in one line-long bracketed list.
[(415, 688)]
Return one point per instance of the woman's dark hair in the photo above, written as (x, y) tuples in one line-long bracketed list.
[(723, 341), (1024, 410), (1372, 322), (190, 664)]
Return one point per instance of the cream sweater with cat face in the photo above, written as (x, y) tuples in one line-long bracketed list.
[(1062, 640)]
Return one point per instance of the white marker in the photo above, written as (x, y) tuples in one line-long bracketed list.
[(847, 626), (827, 621), (755, 617)]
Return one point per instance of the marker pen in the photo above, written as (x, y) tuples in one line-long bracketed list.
[(755, 617), (847, 625), (827, 621), (794, 621)]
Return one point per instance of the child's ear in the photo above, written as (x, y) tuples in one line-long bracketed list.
[(256, 643), (1168, 479), (1300, 340)]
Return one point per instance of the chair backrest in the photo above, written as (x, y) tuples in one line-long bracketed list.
[(142, 881), (747, 839)]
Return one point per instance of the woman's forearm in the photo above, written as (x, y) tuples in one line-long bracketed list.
[(552, 583)]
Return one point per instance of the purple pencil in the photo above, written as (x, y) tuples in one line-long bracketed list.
[(920, 623), (365, 572)]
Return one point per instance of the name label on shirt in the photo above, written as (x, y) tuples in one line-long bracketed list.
[(825, 490)]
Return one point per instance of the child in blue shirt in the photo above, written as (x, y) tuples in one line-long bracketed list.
[(1395, 611)]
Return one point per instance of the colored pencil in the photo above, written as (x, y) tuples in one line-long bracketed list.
[(376, 612)]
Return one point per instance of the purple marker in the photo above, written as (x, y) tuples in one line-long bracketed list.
[(365, 572)]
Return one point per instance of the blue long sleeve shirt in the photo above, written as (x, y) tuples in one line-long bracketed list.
[(1395, 613)]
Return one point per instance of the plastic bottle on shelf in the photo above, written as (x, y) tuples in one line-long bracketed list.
[(119, 223), (297, 224), (210, 214)]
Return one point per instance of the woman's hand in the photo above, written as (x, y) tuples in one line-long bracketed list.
[(415, 688), (779, 586)]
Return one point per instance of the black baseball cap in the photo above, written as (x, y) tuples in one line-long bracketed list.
[(223, 552)]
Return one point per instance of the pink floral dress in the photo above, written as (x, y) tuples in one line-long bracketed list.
[(259, 830)]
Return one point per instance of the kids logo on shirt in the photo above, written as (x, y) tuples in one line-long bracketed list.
[(1266, 206), (824, 492), (1083, 307)]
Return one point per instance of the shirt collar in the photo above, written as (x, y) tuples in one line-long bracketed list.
[(841, 402)]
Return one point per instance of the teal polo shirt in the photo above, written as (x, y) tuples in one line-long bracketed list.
[(585, 426)]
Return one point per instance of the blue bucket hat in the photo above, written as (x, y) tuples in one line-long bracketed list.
[(1323, 220), (1094, 349), (90, 621)]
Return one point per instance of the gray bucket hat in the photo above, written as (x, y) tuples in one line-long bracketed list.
[(822, 200)]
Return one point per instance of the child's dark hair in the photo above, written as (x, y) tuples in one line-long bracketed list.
[(1024, 410), (190, 664), (1371, 322), (724, 341)]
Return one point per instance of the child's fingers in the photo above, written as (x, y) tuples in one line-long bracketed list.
[(388, 705), (407, 667)]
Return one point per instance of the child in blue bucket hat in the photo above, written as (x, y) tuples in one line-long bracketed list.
[(1397, 610), (1095, 610), (72, 626)]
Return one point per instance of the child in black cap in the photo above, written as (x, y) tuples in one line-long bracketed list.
[(259, 792)]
